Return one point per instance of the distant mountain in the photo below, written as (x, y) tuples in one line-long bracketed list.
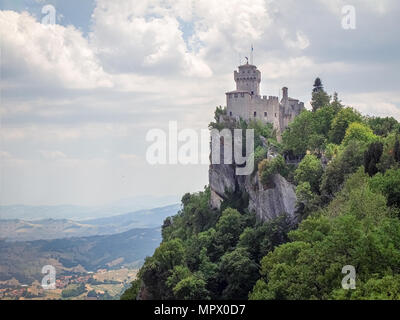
[(79, 213), (24, 260), (22, 230)]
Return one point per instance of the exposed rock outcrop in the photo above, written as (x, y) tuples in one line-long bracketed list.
[(266, 203)]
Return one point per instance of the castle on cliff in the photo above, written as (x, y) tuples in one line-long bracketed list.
[(246, 102)]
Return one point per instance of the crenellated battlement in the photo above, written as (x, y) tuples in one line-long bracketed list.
[(246, 102)]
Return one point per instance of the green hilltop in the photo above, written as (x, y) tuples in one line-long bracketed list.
[(347, 182)]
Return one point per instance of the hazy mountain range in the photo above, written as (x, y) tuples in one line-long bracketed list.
[(79, 246), (26, 230), (78, 213)]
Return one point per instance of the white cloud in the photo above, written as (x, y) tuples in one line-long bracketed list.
[(36, 54), (378, 7), (150, 38), (63, 133), (300, 42), (132, 37), (376, 104)]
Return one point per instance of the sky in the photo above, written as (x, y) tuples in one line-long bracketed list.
[(78, 97)]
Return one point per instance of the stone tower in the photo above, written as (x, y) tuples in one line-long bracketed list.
[(246, 102), (248, 79)]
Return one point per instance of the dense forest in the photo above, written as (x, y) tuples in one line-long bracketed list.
[(348, 204)]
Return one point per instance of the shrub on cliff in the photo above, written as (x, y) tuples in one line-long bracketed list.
[(268, 167)]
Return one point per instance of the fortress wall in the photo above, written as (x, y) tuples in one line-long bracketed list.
[(237, 105)]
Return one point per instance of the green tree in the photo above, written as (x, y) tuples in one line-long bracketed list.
[(316, 143), (383, 126), (260, 239), (216, 124), (346, 163), (228, 229), (388, 158), (177, 274), (295, 137), (132, 292), (322, 120), (372, 157), (307, 200), (389, 185), (268, 167), (260, 153), (191, 288), (195, 245), (397, 151), (317, 85), (360, 132), (309, 170), (239, 272), (336, 104), (156, 269), (341, 122), (319, 97)]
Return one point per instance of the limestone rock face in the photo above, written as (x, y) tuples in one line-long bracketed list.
[(272, 202), (221, 178), (266, 203)]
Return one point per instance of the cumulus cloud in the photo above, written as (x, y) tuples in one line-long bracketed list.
[(132, 37), (35, 53), (300, 42)]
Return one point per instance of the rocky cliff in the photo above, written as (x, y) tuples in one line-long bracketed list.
[(267, 203)]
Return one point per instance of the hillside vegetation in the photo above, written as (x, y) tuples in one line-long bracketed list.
[(348, 200)]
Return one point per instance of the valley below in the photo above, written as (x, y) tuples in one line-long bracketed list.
[(93, 259)]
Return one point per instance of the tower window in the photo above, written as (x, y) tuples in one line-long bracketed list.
[(275, 115), (236, 95), (230, 113), (255, 113), (252, 92), (265, 114)]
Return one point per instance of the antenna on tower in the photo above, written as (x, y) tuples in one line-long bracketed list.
[(251, 54)]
